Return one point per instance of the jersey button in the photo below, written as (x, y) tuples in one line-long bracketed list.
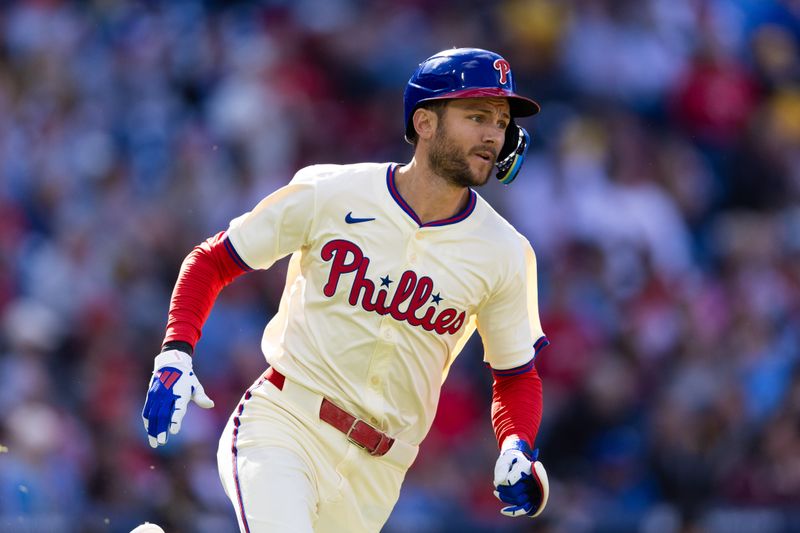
[(412, 258), (373, 421), (419, 236), (375, 380)]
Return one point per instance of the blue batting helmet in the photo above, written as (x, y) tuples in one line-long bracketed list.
[(464, 73), (472, 73)]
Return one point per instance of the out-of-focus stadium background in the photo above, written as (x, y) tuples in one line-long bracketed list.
[(662, 195)]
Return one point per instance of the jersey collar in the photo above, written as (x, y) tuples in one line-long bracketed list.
[(458, 217)]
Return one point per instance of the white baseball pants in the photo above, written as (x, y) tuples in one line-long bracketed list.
[(285, 470)]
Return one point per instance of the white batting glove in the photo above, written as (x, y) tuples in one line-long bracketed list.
[(520, 480), (171, 388)]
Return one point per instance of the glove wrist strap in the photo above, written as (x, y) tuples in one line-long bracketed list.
[(172, 357), (513, 442)]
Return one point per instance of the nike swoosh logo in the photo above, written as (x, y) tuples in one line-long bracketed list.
[(350, 219)]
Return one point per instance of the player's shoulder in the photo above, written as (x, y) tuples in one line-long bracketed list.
[(499, 232), (322, 173)]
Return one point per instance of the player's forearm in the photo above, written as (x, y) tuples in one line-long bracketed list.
[(517, 406), (204, 273)]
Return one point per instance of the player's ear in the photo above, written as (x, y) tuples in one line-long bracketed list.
[(425, 122)]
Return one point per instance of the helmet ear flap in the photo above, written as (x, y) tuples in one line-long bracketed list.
[(510, 159)]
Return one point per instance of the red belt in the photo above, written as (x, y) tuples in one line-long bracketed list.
[(356, 430)]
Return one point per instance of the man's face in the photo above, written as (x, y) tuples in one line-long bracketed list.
[(469, 136)]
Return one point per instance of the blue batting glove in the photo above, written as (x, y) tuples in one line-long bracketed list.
[(171, 388), (520, 480)]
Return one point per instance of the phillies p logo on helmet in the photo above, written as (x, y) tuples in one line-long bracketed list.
[(504, 68)]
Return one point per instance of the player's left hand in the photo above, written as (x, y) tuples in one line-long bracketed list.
[(173, 385), (520, 480)]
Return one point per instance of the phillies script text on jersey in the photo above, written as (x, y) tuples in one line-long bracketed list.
[(347, 257)]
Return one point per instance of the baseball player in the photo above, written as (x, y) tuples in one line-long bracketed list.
[(393, 268)]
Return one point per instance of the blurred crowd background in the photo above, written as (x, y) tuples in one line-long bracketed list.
[(661, 194)]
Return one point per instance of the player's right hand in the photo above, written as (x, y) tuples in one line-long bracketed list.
[(172, 386)]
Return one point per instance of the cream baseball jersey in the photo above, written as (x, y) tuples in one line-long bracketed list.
[(376, 306)]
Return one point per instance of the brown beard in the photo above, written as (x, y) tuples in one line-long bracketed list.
[(447, 161)]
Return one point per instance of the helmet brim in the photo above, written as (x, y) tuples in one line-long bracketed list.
[(520, 106)]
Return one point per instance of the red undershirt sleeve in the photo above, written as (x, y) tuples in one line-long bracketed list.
[(516, 404), (208, 268)]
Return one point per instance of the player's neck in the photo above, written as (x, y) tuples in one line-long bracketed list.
[(429, 195)]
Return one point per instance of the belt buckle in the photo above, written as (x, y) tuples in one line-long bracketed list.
[(352, 439)]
